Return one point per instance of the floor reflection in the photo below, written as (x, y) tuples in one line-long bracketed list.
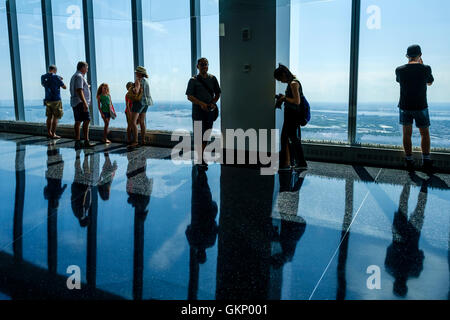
[(235, 234)]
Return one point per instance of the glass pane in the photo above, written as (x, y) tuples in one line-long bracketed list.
[(385, 36), (209, 10), (32, 58), (69, 45), (167, 50), (114, 52), (320, 57), (6, 89)]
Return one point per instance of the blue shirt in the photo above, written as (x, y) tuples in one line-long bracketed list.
[(52, 84)]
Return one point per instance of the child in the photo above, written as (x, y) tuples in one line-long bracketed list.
[(131, 97), (104, 106)]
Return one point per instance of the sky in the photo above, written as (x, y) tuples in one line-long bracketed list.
[(320, 45)]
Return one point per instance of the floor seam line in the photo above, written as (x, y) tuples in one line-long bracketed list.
[(343, 238)]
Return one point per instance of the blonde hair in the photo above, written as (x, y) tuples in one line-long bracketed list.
[(100, 89)]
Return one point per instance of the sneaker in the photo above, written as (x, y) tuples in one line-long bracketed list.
[(88, 144), (409, 165), (427, 166)]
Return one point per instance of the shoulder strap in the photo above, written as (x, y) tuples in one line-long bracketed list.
[(203, 83)]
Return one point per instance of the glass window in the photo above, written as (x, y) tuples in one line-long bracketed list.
[(69, 45), (114, 52), (167, 50), (320, 57), (385, 36), (32, 58), (6, 88), (209, 11)]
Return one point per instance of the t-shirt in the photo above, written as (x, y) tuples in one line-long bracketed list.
[(146, 96), (78, 81), (52, 84), (197, 90), (413, 79), (105, 102)]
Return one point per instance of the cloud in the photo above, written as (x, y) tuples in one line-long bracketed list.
[(155, 26)]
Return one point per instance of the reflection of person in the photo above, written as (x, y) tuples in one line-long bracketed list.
[(55, 167), (53, 192), (139, 188), (202, 232), (414, 78), (203, 91), (404, 259), (81, 198), (106, 177), (291, 143), (54, 108), (80, 100), (292, 226)]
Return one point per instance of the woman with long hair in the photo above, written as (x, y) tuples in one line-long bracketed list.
[(291, 144)]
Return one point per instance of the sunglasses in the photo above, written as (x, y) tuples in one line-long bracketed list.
[(203, 64)]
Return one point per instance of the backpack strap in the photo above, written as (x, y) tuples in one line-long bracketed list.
[(203, 83)]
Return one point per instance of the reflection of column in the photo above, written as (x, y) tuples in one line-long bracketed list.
[(138, 262), (194, 269), (345, 234), (52, 238), (19, 201), (91, 261), (244, 245)]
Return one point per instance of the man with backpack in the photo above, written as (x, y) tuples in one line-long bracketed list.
[(203, 91), (414, 78)]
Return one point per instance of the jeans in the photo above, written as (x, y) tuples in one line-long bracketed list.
[(291, 138)]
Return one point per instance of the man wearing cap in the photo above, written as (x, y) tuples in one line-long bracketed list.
[(80, 100), (414, 78), (139, 108), (54, 109)]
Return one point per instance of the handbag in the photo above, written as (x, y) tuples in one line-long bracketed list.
[(213, 114), (112, 111)]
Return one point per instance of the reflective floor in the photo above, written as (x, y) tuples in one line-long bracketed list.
[(138, 226)]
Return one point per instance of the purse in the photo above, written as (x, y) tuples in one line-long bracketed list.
[(112, 111)]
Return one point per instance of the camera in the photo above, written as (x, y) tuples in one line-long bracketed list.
[(279, 101)]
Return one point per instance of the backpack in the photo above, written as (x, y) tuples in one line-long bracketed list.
[(304, 115)]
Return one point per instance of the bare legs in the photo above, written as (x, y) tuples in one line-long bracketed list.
[(52, 122), (106, 130), (133, 124), (425, 141), (143, 126), (85, 130)]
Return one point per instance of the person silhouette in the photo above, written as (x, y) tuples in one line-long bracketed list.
[(292, 226), (202, 232), (404, 259), (81, 199), (53, 192), (139, 188)]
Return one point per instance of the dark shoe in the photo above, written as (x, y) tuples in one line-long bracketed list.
[(301, 166), (409, 165), (78, 145), (88, 144), (427, 166)]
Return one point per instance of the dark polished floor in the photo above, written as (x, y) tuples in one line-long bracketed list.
[(142, 227)]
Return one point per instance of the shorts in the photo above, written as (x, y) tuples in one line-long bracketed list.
[(107, 114), (79, 114), (54, 108), (137, 107), (421, 117)]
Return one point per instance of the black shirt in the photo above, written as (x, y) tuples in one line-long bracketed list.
[(413, 79), (196, 89)]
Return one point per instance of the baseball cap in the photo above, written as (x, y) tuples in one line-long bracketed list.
[(414, 51)]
